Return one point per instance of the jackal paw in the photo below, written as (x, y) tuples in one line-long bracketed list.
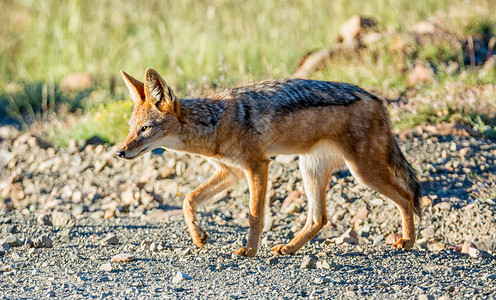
[(281, 249), (402, 243), (245, 251), (200, 237)]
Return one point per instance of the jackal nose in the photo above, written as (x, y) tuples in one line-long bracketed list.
[(120, 153)]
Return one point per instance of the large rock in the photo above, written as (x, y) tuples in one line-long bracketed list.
[(419, 74), (75, 82), (56, 219), (310, 63), (451, 129), (350, 29), (12, 241), (9, 132), (424, 27), (488, 66), (62, 219)]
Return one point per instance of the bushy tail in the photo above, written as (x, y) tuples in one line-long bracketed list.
[(406, 175)]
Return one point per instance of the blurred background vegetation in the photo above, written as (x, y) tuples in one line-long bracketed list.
[(203, 46)]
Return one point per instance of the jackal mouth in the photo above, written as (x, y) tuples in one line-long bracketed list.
[(139, 153)]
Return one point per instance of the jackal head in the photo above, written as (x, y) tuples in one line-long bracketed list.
[(156, 118)]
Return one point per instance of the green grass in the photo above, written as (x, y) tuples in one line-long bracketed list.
[(427, 115), (222, 42), (30, 102), (107, 121), (484, 189)]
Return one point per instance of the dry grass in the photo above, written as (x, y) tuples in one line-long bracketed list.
[(204, 46)]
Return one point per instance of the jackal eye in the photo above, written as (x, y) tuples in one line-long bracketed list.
[(145, 128)]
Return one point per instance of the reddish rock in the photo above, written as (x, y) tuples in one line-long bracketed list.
[(145, 198), (451, 129), (350, 29), (425, 201), (436, 246), (310, 63), (465, 153), (292, 197), (465, 247), (456, 247), (349, 237), (75, 82), (127, 197), (360, 215), (424, 27), (418, 75), (109, 213), (443, 206), (392, 238)]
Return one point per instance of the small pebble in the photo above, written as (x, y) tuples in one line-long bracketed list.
[(145, 245), (43, 242), (6, 268), (180, 276), (489, 277), (122, 257), (65, 234), (185, 252), (272, 260), (153, 247), (308, 262), (352, 288), (320, 280), (106, 267), (111, 239), (323, 264), (45, 219), (5, 246), (465, 153), (51, 294), (12, 241)]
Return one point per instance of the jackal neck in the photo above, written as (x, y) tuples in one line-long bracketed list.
[(203, 114), (202, 118)]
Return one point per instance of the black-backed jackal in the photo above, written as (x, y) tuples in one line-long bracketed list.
[(328, 124)]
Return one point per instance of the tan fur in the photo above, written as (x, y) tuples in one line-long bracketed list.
[(351, 128)]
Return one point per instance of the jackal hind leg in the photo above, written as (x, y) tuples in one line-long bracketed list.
[(221, 180), (378, 175), (316, 168)]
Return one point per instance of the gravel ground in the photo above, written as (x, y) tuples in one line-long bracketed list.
[(70, 218)]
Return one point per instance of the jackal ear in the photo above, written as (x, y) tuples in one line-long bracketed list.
[(160, 94), (136, 88)]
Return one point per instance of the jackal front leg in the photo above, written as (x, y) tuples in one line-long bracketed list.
[(223, 178), (257, 180)]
